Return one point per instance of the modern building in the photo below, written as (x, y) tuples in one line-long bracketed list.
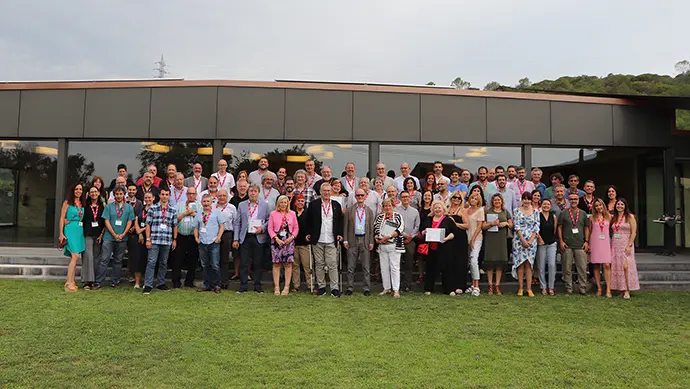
[(57, 133)]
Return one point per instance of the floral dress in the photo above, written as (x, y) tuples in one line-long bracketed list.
[(285, 253), (526, 225)]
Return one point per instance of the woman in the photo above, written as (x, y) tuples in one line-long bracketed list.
[(536, 200), (140, 257), (498, 222), (72, 230), (475, 217), (623, 267), (282, 229), (388, 228), (526, 222), (378, 187), (98, 183), (424, 213), (439, 252), (415, 197), (547, 246), (600, 244), (93, 237), (429, 183), (338, 195), (612, 195), (455, 272), (478, 190), (301, 246)]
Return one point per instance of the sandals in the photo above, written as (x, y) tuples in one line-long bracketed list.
[(285, 292), (396, 294), (626, 295), (276, 291), (529, 293), (497, 290), (385, 291), (552, 292), (598, 292), (520, 292), (71, 287), (491, 290)]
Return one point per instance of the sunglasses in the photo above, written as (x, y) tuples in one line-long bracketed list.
[(456, 198), (359, 195)]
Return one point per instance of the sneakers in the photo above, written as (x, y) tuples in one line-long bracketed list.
[(335, 293), (216, 290), (114, 285), (162, 287), (259, 291), (137, 286), (97, 286), (367, 293), (241, 291), (147, 290), (321, 291), (475, 292), (348, 292)]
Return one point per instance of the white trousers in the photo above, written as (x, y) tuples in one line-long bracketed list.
[(474, 259), (390, 267)]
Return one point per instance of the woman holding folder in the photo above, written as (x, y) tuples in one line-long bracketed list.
[(497, 223), (436, 231)]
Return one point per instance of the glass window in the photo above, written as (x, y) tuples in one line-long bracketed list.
[(245, 156), (91, 159), (422, 157), (27, 191)]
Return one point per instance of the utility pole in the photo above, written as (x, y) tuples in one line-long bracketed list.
[(161, 69)]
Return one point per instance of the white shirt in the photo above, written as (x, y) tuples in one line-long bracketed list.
[(351, 189), (228, 211), (313, 180), (446, 199), (226, 182), (326, 223), (442, 176), (269, 196), (214, 200), (256, 176), (400, 182)]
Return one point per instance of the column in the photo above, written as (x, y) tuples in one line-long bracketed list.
[(217, 153), (527, 159), (374, 158), (60, 182), (669, 199)]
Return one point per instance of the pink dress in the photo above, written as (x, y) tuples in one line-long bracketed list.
[(600, 242), (621, 237)]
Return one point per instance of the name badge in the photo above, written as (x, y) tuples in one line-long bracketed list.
[(94, 224), (118, 222), (163, 227), (81, 224), (602, 237), (616, 236), (576, 231), (202, 230), (282, 234), (143, 225)]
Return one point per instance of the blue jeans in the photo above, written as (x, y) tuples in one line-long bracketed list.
[(546, 255), (157, 253), (209, 254), (113, 249)]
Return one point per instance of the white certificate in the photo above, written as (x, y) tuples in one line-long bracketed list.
[(435, 234), (338, 199), (253, 224), (490, 218), (386, 230)]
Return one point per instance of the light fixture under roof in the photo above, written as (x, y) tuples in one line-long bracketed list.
[(297, 158)]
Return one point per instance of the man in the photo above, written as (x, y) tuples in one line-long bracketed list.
[(404, 173), (302, 188), (268, 193), (411, 223), (147, 186), (327, 176), (250, 237), (121, 172), (289, 189), (280, 182), (187, 252), (556, 179), (536, 180), (350, 181), (161, 237), (520, 185), (156, 181), (371, 199), (443, 192), (325, 223), (466, 177), (381, 174), (199, 182), (225, 179), (212, 189), (489, 188), (242, 193), (118, 217), (121, 182), (229, 213), (208, 230), (559, 202), (507, 194), (131, 196), (455, 183), (438, 171), (257, 175), (171, 173), (178, 192), (500, 170), (312, 177), (587, 202), (512, 174), (391, 193), (491, 175), (359, 241), (573, 182), (573, 229)]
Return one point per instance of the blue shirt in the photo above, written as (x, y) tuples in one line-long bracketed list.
[(118, 217), (459, 187), (541, 188), (162, 228), (186, 225), (360, 225), (208, 232)]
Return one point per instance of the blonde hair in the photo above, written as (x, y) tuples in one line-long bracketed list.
[(491, 204), (441, 203), (475, 195), (605, 213), (387, 201), (287, 203), (459, 194)]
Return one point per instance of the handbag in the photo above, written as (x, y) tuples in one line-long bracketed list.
[(423, 249), (62, 243)]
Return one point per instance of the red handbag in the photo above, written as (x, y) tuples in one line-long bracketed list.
[(423, 249)]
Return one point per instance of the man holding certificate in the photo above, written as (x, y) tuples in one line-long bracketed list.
[(250, 237)]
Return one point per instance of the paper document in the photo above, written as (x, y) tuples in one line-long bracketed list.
[(386, 230), (490, 218), (435, 234), (253, 224)]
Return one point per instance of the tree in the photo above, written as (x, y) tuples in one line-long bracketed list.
[(183, 154), (683, 67), (459, 83), (523, 83), (431, 83), (493, 85), (275, 157)]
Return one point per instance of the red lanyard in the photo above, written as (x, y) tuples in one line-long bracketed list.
[(310, 182), (95, 212), (588, 204), (119, 210), (144, 213), (577, 216), (284, 223), (617, 224), (350, 183), (197, 183), (521, 189), (163, 211), (252, 211), (326, 210), (177, 197), (562, 207), (204, 217), (360, 217), (224, 177), (484, 185), (79, 210), (267, 194), (223, 209), (601, 222)]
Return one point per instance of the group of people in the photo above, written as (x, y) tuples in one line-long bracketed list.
[(451, 227)]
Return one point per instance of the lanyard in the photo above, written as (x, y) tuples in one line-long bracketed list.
[(79, 210), (119, 210), (577, 216), (197, 183), (522, 188), (267, 194), (224, 177), (617, 224), (351, 183), (588, 204), (222, 209), (204, 217), (177, 197), (360, 217), (252, 211), (601, 222), (95, 212), (144, 213), (163, 211), (326, 209), (310, 182)]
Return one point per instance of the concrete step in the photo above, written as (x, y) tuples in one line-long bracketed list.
[(665, 285), (647, 275)]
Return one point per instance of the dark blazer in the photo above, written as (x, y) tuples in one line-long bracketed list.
[(351, 224), (154, 190), (314, 220), (189, 182)]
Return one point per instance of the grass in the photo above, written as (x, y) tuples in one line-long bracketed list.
[(119, 338)]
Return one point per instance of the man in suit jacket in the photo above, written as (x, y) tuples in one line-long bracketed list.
[(325, 228), (359, 241), (197, 180), (250, 237)]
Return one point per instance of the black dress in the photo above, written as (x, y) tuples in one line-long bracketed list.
[(437, 257), (455, 270)]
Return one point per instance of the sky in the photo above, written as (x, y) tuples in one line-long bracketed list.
[(392, 41)]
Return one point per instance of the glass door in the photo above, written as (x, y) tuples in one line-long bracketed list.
[(8, 197)]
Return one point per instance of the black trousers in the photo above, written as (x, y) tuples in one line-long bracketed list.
[(251, 252), (185, 254), (433, 267), (225, 257)]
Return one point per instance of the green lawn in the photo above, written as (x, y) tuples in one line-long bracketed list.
[(119, 338)]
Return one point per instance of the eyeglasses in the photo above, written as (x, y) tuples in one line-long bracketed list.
[(359, 195), (456, 198)]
